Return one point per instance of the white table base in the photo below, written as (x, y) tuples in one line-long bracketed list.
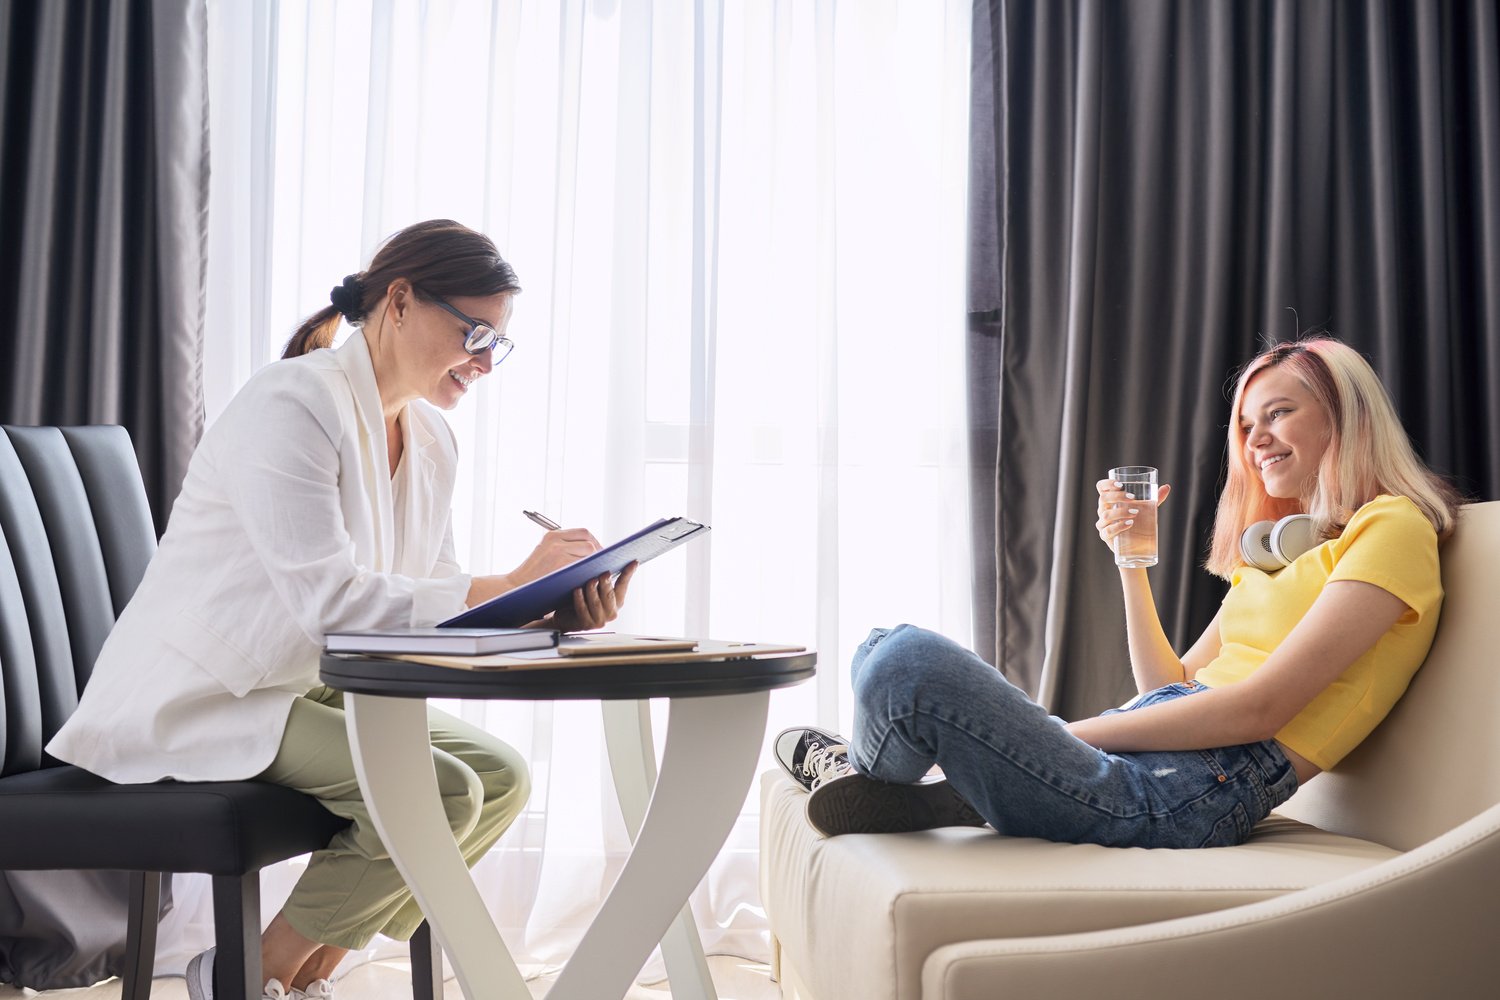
[(712, 749), (632, 762)]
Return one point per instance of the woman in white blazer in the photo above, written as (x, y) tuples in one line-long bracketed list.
[(320, 501)]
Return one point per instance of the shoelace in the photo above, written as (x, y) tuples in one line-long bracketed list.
[(826, 763), (318, 989)]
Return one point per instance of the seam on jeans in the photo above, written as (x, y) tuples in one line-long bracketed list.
[(879, 746), (1244, 786)]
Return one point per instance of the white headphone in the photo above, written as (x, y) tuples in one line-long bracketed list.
[(1270, 545)]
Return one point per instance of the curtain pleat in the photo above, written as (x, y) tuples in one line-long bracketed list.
[(103, 128), (1171, 186)]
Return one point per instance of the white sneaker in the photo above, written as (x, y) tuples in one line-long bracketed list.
[(200, 981), (318, 989), (200, 976)]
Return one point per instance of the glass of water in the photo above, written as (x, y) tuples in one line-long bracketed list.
[(1135, 547)]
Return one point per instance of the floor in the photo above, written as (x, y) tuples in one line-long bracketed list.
[(734, 979)]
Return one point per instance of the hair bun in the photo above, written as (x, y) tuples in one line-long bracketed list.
[(348, 298)]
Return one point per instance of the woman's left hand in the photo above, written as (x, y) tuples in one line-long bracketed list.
[(595, 604)]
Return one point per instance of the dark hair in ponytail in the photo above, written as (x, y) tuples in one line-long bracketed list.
[(439, 257)]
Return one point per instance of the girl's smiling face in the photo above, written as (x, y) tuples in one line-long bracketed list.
[(1286, 433)]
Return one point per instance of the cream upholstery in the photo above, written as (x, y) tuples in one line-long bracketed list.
[(1383, 885)]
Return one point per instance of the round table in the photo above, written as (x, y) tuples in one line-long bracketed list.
[(715, 729)]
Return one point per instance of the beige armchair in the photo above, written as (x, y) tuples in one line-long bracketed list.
[(1380, 879)]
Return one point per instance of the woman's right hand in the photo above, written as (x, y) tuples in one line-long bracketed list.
[(556, 549), (1115, 509)]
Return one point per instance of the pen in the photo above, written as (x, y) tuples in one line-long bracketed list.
[(542, 519)]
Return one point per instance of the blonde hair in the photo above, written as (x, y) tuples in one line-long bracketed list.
[(1368, 453)]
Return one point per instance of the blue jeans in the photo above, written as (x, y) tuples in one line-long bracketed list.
[(922, 699)]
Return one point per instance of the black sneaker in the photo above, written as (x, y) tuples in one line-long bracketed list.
[(856, 803), (812, 756)]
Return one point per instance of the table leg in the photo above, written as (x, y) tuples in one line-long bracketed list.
[(713, 746), (632, 761), (393, 761)]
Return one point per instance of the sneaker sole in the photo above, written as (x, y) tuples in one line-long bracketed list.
[(859, 804)]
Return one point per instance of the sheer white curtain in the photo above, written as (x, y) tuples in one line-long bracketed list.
[(740, 227)]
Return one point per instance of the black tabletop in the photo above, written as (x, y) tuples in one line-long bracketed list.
[(403, 679)]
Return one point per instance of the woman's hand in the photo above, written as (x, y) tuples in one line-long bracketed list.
[(1115, 514), (556, 549), (1152, 660), (595, 604)]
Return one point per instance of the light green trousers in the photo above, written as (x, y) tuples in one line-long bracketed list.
[(351, 889)]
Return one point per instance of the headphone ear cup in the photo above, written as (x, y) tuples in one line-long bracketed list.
[(1255, 546), (1292, 536)]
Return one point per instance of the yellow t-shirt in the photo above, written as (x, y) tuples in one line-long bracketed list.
[(1388, 543)]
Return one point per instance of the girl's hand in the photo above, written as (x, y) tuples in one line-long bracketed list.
[(1115, 513), (556, 549), (595, 604)]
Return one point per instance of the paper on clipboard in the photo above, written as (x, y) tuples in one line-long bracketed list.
[(533, 600)]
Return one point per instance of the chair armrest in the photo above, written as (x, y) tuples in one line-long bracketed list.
[(1420, 924)]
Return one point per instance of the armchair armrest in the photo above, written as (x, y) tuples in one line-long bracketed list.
[(1420, 924)]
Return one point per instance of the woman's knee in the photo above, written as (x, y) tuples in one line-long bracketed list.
[(462, 792), (506, 781)]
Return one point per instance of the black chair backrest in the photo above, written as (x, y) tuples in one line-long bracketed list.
[(75, 537)]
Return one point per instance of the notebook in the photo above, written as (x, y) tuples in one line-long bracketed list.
[(441, 641)]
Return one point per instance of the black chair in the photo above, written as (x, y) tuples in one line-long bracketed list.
[(75, 537)]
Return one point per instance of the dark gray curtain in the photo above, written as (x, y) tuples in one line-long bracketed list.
[(104, 176), (103, 193), (1160, 188)]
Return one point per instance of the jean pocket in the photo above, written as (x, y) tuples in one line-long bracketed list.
[(1232, 828)]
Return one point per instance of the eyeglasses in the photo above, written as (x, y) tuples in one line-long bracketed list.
[(481, 337)]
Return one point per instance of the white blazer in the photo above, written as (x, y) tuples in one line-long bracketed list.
[(284, 531)]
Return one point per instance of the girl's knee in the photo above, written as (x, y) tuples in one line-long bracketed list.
[(908, 648), (908, 654), (892, 670)]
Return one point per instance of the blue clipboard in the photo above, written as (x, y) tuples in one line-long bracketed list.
[(533, 600)]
